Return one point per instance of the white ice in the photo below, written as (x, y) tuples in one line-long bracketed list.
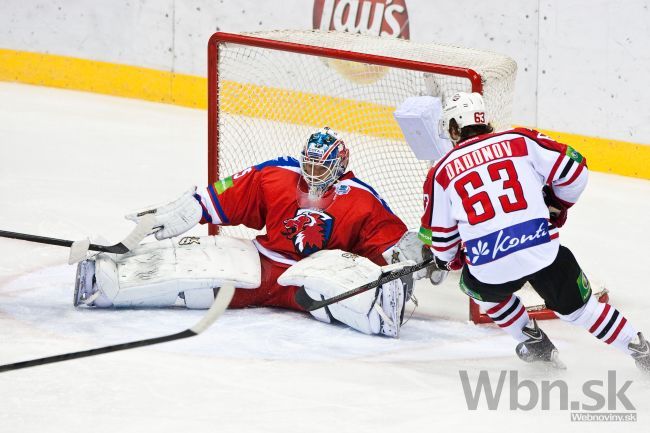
[(71, 164)]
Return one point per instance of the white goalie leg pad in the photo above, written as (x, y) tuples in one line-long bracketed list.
[(321, 315), (198, 299), (329, 273), (154, 274)]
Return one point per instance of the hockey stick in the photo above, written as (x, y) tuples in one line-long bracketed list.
[(78, 249), (309, 304), (223, 297)]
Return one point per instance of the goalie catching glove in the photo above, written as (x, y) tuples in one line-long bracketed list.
[(410, 248), (328, 273), (175, 218)]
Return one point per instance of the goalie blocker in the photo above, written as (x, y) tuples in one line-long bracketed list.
[(184, 272)]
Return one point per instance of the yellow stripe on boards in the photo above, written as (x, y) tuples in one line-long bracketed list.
[(301, 108), (102, 77), (610, 156), (191, 91)]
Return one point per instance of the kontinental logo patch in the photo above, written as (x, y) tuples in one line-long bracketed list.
[(506, 241)]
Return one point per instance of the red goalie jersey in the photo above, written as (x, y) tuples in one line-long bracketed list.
[(358, 220)]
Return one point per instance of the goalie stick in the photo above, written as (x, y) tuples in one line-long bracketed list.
[(309, 304), (223, 297), (78, 249)]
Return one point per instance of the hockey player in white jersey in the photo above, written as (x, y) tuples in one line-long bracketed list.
[(494, 206)]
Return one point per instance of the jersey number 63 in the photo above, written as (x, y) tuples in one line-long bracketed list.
[(500, 170)]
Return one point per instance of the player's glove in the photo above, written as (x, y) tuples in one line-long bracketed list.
[(455, 264), (558, 211), (173, 218)]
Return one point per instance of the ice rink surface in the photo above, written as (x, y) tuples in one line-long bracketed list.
[(72, 164)]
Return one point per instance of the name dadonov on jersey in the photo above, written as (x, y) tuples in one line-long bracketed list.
[(481, 156), (508, 240)]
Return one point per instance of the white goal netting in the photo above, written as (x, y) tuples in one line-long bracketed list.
[(270, 100)]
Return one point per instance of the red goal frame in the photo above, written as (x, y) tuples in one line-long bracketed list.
[(232, 38), (537, 313)]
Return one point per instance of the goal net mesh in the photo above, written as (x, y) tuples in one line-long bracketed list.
[(270, 100)]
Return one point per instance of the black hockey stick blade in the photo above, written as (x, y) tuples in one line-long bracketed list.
[(309, 304), (224, 295)]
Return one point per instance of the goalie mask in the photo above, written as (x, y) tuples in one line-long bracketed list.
[(323, 161)]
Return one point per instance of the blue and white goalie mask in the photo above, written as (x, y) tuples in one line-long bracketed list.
[(323, 161)]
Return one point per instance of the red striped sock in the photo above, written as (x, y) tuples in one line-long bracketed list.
[(510, 315), (604, 322)]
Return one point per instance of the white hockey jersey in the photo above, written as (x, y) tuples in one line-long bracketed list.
[(487, 193)]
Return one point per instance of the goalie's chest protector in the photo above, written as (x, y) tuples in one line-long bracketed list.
[(345, 224), (265, 196)]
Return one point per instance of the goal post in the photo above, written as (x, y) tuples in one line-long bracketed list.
[(268, 91)]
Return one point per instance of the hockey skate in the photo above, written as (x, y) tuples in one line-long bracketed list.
[(538, 347), (85, 289), (640, 352)]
